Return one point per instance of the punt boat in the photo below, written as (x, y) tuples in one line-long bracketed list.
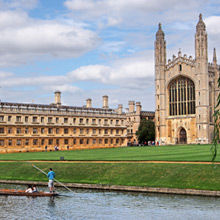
[(15, 192)]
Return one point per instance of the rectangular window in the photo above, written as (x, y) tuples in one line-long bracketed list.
[(74, 130), (74, 120), (100, 131), (26, 130), (2, 142), (34, 120), (93, 131), (81, 131), (81, 141), (87, 141), (57, 141), (117, 131), (87, 131), (9, 130), (26, 119), (50, 119), (42, 141), (87, 121), (100, 141), (42, 119), (57, 130), (35, 141), (18, 142), (74, 141), (1, 118), (50, 130), (93, 121), (111, 131), (66, 141), (117, 122), (81, 120), (111, 122), (106, 131), (42, 130), (2, 130), (66, 130), (100, 120), (57, 120), (10, 142), (50, 141), (106, 122), (18, 118), (35, 131), (9, 118), (65, 120), (106, 141), (94, 141), (18, 130), (26, 142)]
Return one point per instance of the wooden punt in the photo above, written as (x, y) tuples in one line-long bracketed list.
[(14, 192)]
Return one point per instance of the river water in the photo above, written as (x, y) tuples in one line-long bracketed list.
[(106, 205)]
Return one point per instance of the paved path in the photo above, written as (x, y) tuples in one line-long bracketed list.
[(110, 161)]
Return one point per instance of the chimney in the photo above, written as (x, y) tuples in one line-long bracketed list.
[(88, 103), (120, 108), (138, 108), (105, 102), (57, 98), (131, 106)]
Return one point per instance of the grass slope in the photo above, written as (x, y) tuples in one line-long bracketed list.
[(197, 176), (166, 153)]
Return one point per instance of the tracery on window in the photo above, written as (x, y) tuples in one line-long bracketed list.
[(181, 97)]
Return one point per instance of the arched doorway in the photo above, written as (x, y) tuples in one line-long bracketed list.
[(182, 136)]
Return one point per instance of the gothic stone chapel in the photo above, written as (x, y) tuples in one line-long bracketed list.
[(186, 92)]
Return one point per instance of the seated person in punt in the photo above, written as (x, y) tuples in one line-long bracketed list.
[(29, 189)]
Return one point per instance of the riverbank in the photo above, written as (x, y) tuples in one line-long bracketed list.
[(147, 175), (191, 192)]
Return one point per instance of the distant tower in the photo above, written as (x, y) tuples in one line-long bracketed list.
[(57, 97), (202, 82), (88, 103), (105, 102), (160, 62)]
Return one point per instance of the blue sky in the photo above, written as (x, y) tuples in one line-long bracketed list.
[(90, 48)]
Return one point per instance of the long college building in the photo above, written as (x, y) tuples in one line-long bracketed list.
[(186, 92), (32, 127)]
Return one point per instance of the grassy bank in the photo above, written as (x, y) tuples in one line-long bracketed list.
[(166, 153), (196, 176)]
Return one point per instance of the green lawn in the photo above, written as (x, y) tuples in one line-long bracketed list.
[(166, 153), (197, 176)]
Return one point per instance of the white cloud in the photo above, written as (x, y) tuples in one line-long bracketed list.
[(22, 38), (128, 72), (130, 12)]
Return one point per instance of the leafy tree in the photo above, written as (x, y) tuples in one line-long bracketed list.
[(146, 131), (216, 138)]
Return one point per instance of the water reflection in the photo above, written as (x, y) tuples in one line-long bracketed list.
[(105, 205)]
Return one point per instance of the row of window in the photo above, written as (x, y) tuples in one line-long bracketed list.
[(65, 131), (28, 142), (57, 120)]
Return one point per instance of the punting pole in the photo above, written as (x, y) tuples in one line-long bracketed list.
[(46, 175)]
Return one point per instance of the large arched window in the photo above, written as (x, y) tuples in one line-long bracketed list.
[(181, 96)]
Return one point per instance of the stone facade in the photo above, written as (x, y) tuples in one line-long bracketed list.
[(186, 92), (32, 127), (134, 117)]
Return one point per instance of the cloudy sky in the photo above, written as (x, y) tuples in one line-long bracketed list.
[(90, 48)]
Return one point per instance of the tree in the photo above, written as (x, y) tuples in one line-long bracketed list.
[(146, 131), (216, 138)]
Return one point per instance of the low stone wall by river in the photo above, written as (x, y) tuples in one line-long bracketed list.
[(193, 192)]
